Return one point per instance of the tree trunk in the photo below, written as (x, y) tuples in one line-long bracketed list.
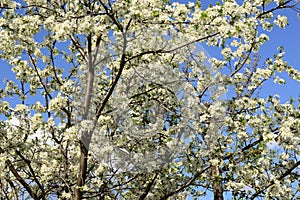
[(82, 173), (217, 183)]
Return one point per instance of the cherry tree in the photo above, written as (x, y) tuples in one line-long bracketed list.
[(117, 100)]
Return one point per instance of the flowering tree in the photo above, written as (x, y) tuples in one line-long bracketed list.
[(116, 100)]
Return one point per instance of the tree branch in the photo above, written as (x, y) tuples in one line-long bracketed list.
[(19, 178), (187, 184), (286, 173)]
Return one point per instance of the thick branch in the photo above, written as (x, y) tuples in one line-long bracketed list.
[(19, 178), (172, 50), (286, 173), (28, 162), (148, 188), (187, 184), (86, 135)]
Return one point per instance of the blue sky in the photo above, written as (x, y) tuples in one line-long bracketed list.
[(288, 37)]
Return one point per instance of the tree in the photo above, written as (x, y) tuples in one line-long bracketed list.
[(116, 100)]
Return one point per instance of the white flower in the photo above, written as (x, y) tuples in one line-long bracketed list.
[(226, 52), (281, 21), (102, 167), (214, 162), (58, 102), (21, 108)]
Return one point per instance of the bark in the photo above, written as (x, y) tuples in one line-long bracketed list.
[(87, 135), (82, 172), (14, 171), (217, 183)]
